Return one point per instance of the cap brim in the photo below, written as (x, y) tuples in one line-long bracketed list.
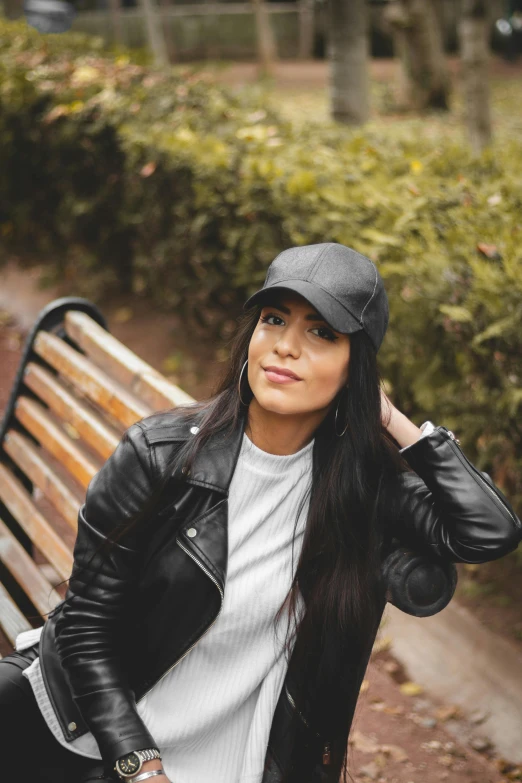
[(337, 316)]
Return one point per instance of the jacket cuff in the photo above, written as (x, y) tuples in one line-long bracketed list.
[(103, 711), (419, 455)]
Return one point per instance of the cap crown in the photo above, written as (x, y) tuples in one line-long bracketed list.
[(348, 276)]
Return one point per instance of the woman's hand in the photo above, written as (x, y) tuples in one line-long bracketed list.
[(404, 431)]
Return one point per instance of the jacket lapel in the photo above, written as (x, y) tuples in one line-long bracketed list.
[(215, 461), (206, 536)]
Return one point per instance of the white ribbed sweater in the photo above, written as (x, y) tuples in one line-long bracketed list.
[(211, 714)]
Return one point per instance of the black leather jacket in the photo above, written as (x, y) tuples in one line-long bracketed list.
[(160, 589)]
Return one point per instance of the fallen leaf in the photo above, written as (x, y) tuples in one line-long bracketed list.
[(391, 667), (490, 251), (123, 314), (411, 688), (395, 751), (54, 113), (364, 743), (383, 643), (84, 74), (431, 745), (5, 318), (148, 169), (478, 716), (495, 199), (479, 743), (371, 770)]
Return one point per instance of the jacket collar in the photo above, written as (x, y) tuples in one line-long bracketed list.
[(214, 463)]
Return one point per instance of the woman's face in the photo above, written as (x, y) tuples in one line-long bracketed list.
[(292, 335)]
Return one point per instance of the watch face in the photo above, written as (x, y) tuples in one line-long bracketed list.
[(129, 764)]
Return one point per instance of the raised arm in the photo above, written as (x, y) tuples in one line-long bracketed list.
[(451, 507)]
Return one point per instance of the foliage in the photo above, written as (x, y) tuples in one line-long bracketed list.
[(163, 183)]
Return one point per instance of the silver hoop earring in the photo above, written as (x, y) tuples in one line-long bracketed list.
[(239, 384), (339, 434)]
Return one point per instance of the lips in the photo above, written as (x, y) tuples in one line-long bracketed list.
[(282, 372)]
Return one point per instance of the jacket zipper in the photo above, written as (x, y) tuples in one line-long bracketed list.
[(204, 632), (326, 746), (454, 443)]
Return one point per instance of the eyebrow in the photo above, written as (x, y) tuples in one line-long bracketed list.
[(309, 317)]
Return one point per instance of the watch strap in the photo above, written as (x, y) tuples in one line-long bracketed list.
[(148, 754)]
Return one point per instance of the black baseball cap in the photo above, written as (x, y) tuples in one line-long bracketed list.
[(344, 286)]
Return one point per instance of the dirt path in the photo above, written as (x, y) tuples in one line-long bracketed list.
[(397, 738), (315, 73)]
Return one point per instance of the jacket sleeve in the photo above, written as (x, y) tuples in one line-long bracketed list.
[(450, 507), (98, 589)]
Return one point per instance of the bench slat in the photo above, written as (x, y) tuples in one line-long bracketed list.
[(37, 421), (12, 620), (19, 503), (90, 380), (24, 453), (26, 572), (88, 425), (121, 363)]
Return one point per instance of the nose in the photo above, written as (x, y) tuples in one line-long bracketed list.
[(288, 341)]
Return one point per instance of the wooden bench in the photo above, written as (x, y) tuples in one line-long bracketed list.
[(76, 391)]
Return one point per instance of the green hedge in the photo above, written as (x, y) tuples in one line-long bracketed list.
[(166, 184)]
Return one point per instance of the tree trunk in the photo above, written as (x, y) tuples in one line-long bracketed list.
[(266, 47), (155, 35), (13, 9), (474, 50), (167, 30), (348, 58), (117, 22), (424, 81), (306, 29)]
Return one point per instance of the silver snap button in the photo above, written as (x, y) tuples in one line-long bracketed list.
[(185, 470), (72, 726), (194, 430), (191, 532)]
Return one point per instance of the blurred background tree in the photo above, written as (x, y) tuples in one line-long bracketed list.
[(418, 42), (474, 36), (348, 57), (266, 45)]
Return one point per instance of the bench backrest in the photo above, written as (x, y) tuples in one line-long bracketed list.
[(76, 391)]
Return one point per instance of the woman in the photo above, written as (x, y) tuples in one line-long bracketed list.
[(227, 584)]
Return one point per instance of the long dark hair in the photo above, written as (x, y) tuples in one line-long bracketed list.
[(354, 495), (353, 498)]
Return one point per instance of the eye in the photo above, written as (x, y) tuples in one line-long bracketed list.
[(327, 333), (265, 318)]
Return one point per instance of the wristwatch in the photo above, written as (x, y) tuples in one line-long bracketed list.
[(129, 765)]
